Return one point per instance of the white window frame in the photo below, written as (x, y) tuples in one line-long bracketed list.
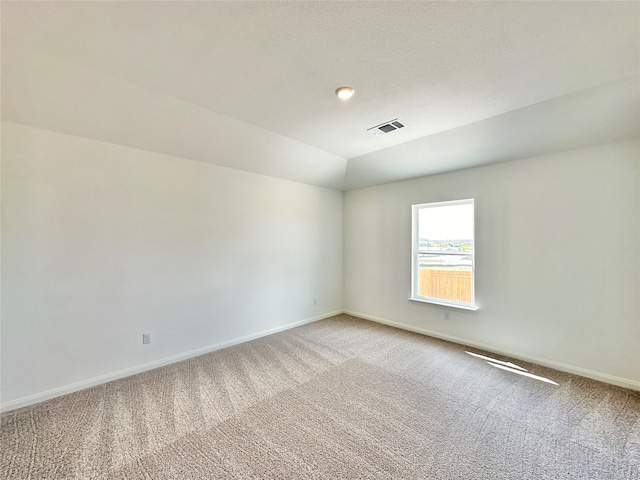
[(416, 251)]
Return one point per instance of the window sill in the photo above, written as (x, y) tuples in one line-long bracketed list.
[(472, 308)]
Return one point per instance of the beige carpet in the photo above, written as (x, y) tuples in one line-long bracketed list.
[(341, 398)]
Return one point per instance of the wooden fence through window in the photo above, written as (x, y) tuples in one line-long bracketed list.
[(446, 284)]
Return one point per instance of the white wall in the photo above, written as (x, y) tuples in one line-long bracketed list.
[(558, 263), (102, 243)]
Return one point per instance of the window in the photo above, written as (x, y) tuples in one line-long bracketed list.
[(442, 263)]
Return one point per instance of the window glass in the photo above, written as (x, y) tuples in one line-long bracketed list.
[(443, 261)]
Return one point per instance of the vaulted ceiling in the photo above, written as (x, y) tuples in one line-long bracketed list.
[(250, 85)]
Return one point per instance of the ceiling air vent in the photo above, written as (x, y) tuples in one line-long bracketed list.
[(386, 127)]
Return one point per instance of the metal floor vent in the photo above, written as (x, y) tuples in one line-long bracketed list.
[(386, 127)]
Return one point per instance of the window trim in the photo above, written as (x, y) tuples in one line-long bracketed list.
[(415, 252)]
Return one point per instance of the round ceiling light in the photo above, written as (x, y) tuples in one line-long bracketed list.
[(345, 93)]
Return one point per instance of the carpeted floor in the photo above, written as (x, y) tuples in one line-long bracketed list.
[(342, 398)]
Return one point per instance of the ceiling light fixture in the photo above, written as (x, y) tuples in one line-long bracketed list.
[(345, 93)]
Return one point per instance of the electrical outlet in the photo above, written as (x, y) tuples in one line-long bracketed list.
[(446, 315), (315, 301), (146, 338)]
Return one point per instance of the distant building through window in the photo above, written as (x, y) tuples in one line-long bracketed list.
[(443, 247)]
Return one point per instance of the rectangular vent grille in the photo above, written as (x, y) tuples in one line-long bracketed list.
[(386, 127)]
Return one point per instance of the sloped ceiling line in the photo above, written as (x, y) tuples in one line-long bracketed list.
[(249, 85)]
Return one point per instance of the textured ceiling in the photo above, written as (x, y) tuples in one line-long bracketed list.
[(268, 70)]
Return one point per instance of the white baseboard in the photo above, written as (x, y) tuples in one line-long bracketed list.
[(583, 372), (92, 382), (74, 387)]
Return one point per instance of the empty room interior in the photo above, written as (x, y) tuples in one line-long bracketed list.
[(386, 240)]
